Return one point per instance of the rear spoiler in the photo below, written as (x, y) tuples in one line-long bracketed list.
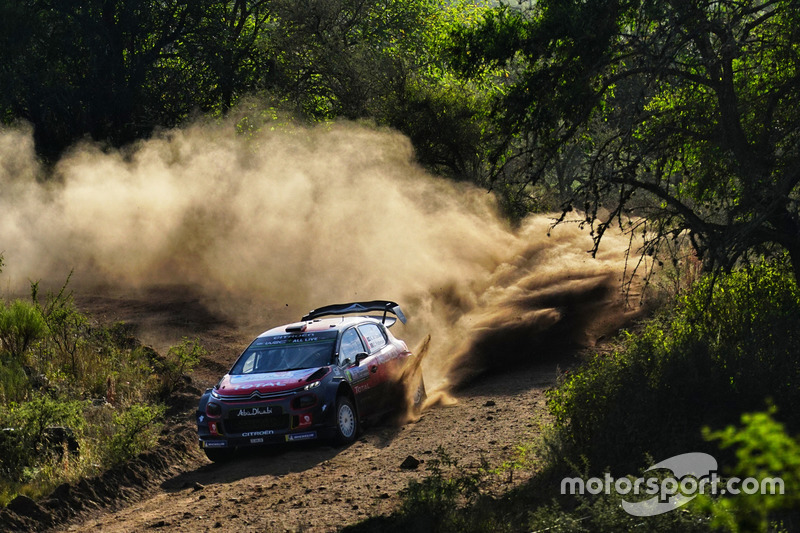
[(358, 307)]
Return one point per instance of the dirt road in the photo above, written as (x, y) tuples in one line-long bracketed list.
[(311, 486)]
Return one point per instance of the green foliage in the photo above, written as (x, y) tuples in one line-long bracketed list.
[(439, 494), (387, 61), (14, 382), (67, 328), (677, 112), (53, 359), (180, 360), (134, 430), (450, 498), (729, 345), (24, 445), (763, 450), (603, 513), (116, 72), (21, 324)]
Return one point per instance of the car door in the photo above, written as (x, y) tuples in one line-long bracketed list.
[(365, 376), (377, 341), (383, 361)]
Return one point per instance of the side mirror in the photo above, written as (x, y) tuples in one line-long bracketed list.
[(360, 357)]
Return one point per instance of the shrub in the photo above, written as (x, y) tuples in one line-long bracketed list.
[(52, 359), (726, 347), (21, 324), (68, 329), (179, 360), (25, 443), (450, 498), (763, 450), (446, 485), (14, 383), (135, 430), (604, 514)]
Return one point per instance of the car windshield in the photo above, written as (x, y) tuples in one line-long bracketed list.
[(280, 353)]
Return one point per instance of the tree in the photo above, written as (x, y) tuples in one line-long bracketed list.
[(385, 60), (685, 113), (116, 70), (75, 68), (230, 50)]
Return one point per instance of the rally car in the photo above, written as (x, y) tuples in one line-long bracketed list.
[(319, 378)]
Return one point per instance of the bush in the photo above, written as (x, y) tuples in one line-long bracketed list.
[(21, 324), (763, 450), (604, 514), (68, 329), (25, 444), (725, 348), (52, 360), (135, 430), (450, 498), (14, 383), (438, 495), (179, 360)]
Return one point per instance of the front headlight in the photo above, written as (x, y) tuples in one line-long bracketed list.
[(313, 385)]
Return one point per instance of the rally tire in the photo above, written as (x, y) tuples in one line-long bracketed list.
[(346, 421)]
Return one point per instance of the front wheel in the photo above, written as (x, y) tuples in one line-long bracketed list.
[(346, 421)]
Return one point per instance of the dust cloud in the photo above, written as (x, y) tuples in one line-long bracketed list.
[(270, 222)]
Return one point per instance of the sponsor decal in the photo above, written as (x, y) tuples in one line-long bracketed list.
[(304, 421), (361, 388), (254, 411), (214, 444), (302, 436), (283, 378), (306, 337), (357, 373), (258, 433), (201, 418), (256, 441), (259, 385)]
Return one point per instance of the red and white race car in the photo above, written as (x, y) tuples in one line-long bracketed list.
[(317, 378)]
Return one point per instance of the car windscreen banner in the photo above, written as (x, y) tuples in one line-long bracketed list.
[(288, 339)]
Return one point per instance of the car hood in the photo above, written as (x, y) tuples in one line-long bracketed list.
[(242, 385)]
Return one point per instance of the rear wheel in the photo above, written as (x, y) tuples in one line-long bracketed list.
[(346, 421), (219, 455)]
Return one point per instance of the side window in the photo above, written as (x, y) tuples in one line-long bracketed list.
[(351, 346), (249, 363), (374, 336)]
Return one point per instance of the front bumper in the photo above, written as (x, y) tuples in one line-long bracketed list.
[(255, 423)]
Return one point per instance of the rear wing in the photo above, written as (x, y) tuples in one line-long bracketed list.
[(359, 307)]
